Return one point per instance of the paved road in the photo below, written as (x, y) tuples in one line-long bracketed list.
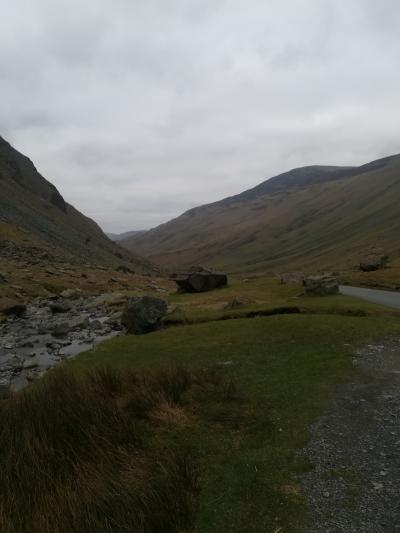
[(388, 298)]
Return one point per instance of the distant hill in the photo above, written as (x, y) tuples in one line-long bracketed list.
[(118, 237), (31, 206), (316, 216)]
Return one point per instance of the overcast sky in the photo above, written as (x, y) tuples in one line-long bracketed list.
[(140, 109)]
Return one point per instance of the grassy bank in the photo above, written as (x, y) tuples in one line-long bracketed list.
[(284, 367), (98, 452), (192, 428)]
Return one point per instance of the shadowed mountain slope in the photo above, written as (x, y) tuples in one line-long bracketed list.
[(317, 216), (33, 207)]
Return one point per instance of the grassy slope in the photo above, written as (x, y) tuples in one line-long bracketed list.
[(30, 202), (242, 432), (329, 224), (284, 368)]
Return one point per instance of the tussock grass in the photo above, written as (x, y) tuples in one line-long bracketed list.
[(86, 454)]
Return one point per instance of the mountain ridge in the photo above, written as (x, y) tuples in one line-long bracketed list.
[(265, 226), (32, 203)]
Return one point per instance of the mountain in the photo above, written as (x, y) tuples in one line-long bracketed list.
[(315, 216), (33, 211), (117, 237)]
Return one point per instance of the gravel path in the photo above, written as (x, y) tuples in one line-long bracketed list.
[(355, 450)]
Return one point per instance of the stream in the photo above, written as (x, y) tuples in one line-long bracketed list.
[(49, 332)]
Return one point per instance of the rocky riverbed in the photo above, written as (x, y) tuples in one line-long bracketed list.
[(50, 331)]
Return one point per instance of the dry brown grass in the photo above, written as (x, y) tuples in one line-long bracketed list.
[(82, 455)]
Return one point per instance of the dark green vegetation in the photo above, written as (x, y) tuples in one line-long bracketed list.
[(308, 218), (34, 216)]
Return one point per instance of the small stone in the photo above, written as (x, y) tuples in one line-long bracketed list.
[(60, 307), (30, 364), (326, 494)]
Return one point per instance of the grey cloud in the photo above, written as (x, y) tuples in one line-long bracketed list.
[(140, 110)]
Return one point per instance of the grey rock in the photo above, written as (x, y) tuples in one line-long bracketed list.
[(199, 279), (321, 285), (235, 303), (71, 293), (373, 262), (61, 330), (143, 314), (124, 269), (79, 323), (96, 325), (60, 307), (30, 363), (291, 277)]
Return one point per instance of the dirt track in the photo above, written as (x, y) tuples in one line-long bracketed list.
[(355, 483)]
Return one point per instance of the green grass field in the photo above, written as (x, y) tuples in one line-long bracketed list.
[(264, 381), (283, 368)]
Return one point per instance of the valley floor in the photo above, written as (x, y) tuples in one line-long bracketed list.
[(231, 398)]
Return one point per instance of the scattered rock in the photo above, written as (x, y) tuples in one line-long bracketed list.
[(124, 269), (96, 325), (373, 262), (111, 299), (235, 303), (30, 363), (143, 314), (8, 307), (60, 307), (78, 323), (321, 285), (71, 294), (291, 277), (199, 279), (61, 330)]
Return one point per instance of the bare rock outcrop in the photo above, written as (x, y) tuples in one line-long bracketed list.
[(321, 285), (200, 279)]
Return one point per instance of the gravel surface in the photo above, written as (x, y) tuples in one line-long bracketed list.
[(354, 448)]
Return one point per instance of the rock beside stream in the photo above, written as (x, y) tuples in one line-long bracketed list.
[(38, 336), (143, 315)]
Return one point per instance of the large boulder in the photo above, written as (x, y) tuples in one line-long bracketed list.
[(143, 314), (373, 262), (321, 285), (201, 280)]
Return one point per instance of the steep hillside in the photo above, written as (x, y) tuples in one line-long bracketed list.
[(309, 217), (117, 237), (33, 212)]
